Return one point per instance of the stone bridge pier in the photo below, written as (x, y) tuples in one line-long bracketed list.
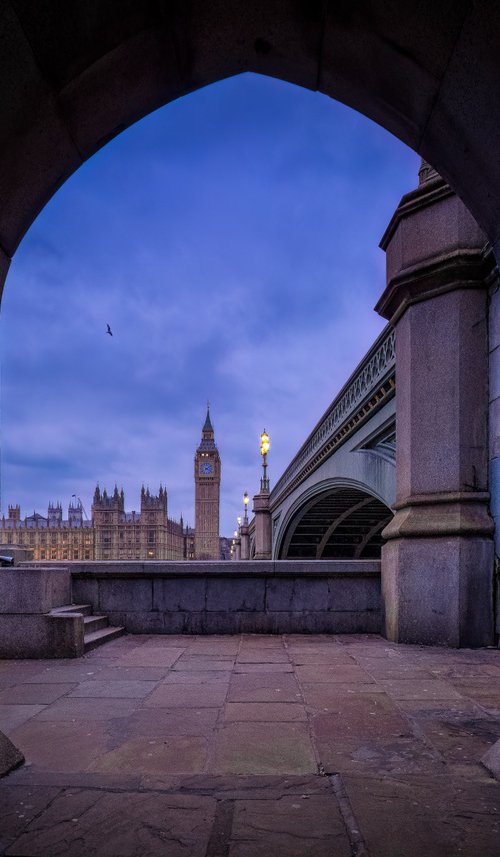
[(437, 564)]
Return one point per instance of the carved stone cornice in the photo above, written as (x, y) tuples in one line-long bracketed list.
[(457, 513), (460, 269)]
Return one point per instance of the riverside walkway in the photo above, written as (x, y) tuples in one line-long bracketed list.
[(248, 746)]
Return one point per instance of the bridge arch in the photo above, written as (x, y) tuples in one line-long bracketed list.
[(335, 519)]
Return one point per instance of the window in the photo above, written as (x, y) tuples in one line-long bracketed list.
[(42, 554), (75, 554)]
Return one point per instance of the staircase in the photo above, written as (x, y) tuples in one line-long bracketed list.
[(97, 629)]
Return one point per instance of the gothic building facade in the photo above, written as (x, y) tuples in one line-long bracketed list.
[(114, 534)]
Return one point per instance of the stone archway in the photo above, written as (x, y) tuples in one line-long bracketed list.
[(74, 75), (72, 78)]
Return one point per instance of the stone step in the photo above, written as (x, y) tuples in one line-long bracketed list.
[(105, 635), (84, 609), (94, 623)]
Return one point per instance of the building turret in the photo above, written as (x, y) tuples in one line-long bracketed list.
[(54, 515), (75, 514), (15, 512)]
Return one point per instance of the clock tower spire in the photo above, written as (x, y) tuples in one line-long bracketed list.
[(207, 494)]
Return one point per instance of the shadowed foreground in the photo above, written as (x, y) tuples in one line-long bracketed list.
[(252, 745)]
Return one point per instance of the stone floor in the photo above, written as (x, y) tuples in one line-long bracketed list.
[(249, 746)]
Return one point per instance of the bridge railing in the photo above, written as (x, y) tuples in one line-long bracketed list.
[(368, 386)]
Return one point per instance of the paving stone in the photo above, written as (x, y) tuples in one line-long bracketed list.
[(263, 656), (114, 673), (264, 711), (88, 709), (323, 696), (19, 805), (273, 667), (197, 677), (437, 707), (214, 646), (34, 693), (321, 656), (377, 756), (485, 690), (289, 827), (264, 748), (81, 823), (369, 716), (264, 687), (190, 662), (437, 816), (467, 670), (150, 656), (185, 696), (121, 689), (66, 746), (393, 668), (158, 722), (461, 738), (243, 786), (345, 673), (419, 689), (64, 673), (159, 755), (12, 716)]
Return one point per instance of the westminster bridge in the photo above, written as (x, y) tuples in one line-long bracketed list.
[(335, 497)]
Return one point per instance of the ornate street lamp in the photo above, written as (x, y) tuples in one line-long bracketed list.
[(246, 499), (239, 522), (265, 443)]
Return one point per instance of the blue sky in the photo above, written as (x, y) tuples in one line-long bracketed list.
[(231, 241)]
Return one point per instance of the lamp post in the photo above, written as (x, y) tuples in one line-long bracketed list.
[(262, 512), (244, 537), (265, 443), (237, 545)]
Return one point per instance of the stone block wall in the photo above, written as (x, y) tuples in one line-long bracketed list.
[(228, 598), (494, 430)]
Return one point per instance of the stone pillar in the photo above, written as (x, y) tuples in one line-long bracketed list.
[(237, 549), (262, 533), (245, 542), (437, 565)]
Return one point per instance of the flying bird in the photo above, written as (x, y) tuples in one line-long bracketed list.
[(109, 330)]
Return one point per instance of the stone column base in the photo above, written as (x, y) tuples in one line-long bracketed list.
[(438, 591)]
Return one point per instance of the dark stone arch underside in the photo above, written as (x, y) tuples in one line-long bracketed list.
[(345, 523)]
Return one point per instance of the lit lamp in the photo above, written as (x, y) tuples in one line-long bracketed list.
[(239, 522), (246, 498), (264, 449)]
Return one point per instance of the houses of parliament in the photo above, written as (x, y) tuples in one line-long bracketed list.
[(114, 534)]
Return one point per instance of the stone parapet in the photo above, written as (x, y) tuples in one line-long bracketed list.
[(338, 596)]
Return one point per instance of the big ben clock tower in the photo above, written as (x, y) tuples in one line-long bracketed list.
[(207, 494)]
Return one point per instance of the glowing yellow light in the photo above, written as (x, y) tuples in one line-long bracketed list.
[(246, 498), (264, 443)]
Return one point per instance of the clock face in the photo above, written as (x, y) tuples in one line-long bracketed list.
[(206, 468)]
